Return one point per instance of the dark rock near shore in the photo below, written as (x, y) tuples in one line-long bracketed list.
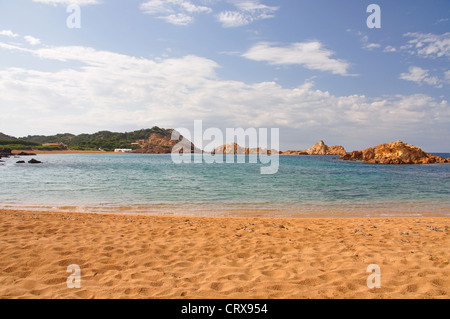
[(33, 161), (20, 162), (5, 152), (26, 154)]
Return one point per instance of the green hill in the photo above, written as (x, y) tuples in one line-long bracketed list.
[(6, 137), (105, 140), (41, 139)]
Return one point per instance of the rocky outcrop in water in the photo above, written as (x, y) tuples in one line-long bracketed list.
[(394, 153), (234, 148), (320, 148), (336, 150), (230, 148), (5, 152), (294, 153), (25, 154)]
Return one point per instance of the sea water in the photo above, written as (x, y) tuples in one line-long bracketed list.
[(154, 184)]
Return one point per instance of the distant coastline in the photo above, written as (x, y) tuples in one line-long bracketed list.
[(160, 141)]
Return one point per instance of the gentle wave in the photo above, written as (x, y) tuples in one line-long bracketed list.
[(153, 184)]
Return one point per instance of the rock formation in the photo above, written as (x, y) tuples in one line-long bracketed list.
[(294, 153), (320, 148), (25, 154), (336, 150), (34, 161), (230, 148), (394, 153), (163, 144), (5, 152), (234, 148)]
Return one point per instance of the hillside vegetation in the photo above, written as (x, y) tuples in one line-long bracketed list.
[(104, 140)]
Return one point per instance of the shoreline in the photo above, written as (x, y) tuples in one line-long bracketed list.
[(244, 215), (241, 211), (39, 152), (173, 257)]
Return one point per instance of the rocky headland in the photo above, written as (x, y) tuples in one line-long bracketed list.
[(162, 143), (394, 153)]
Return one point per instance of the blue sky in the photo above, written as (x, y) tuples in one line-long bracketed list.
[(311, 68)]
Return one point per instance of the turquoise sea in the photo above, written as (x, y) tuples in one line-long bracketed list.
[(153, 184)]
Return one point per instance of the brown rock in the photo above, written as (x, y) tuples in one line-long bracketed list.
[(320, 148), (336, 150), (394, 153), (230, 148), (234, 148), (162, 143), (294, 153)]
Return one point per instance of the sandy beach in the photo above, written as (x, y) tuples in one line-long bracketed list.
[(135, 256)]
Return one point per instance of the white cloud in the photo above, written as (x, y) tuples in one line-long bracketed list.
[(447, 75), (367, 45), (171, 6), (390, 49), (428, 45), (181, 12), (442, 20), (107, 90), (311, 55), (9, 33), (248, 12), (178, 19), (371, 46), (178, 12), (418, 75), (68, 2), (233, 19), (32, 40)]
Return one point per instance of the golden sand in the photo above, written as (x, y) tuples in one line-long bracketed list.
[(135, 256)]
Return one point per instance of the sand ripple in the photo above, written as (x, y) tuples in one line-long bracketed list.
[(123, 256)]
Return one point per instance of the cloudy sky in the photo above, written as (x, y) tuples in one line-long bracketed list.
[(311, 68)]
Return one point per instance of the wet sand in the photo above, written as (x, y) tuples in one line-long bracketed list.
[(132, 256)]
